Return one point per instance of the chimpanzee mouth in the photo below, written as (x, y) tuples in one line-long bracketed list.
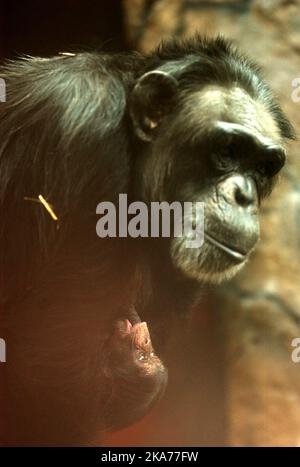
[(128, 326), (238, 255)]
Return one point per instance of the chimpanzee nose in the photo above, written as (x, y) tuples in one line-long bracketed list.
[(240, 191), (244, 193)]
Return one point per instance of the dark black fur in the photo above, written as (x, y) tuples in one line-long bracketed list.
[(66, 133)]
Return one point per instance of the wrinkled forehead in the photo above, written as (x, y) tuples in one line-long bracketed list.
[(233, 105)]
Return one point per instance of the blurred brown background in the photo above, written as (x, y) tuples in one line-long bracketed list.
[(232, 379)]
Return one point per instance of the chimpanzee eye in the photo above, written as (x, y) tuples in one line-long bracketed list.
[(261, 169), (272, 161), (223, 158), (229, 150), (267, 168)]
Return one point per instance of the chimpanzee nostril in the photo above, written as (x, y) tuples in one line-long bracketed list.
[(244, 192), (239, 190), (243, 196)]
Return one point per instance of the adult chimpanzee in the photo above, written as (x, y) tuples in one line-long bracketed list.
[(192, 121)]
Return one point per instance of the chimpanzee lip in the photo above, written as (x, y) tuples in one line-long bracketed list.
[(128, 325), (229, 249), (131, 327)]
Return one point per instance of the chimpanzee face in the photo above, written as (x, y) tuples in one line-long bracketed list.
[(219, 147)]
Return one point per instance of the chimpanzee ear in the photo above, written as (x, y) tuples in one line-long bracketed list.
[(151, 100)]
